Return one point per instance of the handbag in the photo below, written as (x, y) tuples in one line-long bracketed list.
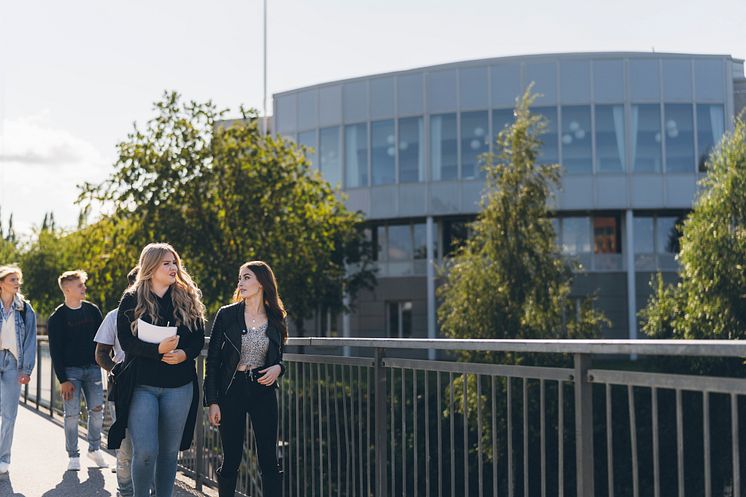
[(116, 376)]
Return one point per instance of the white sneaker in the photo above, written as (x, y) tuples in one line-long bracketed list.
[(98, 457), (74, 464), (4, 467)]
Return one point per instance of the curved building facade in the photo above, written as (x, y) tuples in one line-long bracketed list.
[(631, 131)]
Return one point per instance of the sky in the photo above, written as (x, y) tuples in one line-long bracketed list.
[(76, 75)]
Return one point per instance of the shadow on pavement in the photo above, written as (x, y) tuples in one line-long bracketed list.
[(6, 487), (71, 486)]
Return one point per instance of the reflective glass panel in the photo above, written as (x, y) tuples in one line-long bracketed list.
[(610, 138), (308, 139), (710, 129), (411, 150), (576, 139), (400, 243), (645, 138), (708, 75), (506, 84), (677, 79), (576, 235), (644, 243), (443, 147), (667, 235), (420, 241), (330, 158), (383, 152), (544, 77), (409, 94), (501, 119), (441, 92), (473, 88), (381, 243), (549, 153), (356, 155), (474, 142), (608, 81), (606, 235), (575, 81), (679, 138), (381, 97)]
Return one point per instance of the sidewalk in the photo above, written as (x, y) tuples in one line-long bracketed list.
[(39, 462)]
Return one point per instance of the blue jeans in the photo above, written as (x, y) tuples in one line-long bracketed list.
[(88, 380), (10, 392), (156, 424), (124, 462)]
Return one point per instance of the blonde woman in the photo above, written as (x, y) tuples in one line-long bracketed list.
[(17, 353), (157, 392)]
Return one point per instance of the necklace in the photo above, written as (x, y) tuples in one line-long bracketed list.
[(253, 319)]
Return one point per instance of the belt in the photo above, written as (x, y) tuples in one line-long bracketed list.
[(253, 374)]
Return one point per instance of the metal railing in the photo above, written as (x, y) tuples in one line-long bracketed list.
[(534, 418)]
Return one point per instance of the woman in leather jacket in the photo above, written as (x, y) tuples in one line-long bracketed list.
[(244, 360)]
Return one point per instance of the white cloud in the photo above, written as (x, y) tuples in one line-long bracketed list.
[(41, 166)]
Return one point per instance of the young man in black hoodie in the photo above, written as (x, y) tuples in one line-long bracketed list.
[(72, 327)]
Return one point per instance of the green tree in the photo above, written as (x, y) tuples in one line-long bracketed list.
[(509, 280), (708, 300), (8, 242), (223, 193)]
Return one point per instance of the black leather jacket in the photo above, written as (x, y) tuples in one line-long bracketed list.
[(224, 351)]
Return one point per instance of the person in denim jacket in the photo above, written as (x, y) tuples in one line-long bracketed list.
[(17, 354)]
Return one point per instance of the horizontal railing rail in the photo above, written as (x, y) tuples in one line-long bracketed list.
[(373, 417)]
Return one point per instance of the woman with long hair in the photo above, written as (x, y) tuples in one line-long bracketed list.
[(17, 353), (158, 395), (244, 361)]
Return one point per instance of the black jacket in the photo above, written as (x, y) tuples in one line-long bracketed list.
[(224, 352)]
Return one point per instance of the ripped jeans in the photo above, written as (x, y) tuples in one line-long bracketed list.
[(88, 380)]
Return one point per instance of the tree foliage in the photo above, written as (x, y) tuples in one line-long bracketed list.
[(509, 280), (223, 193), (708, 300)]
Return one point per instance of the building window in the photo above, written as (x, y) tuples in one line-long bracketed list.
[(455, 233), (710, 129), (356, 155), (656, 242), (501, 119), (399, 319), (308, 140), (576, 239), (610, 138), (576, 139), (411, 150), (607, 246), (549, 153), (474, 142), (329, 158), (646, 138), (443, 147), (679, 138), (383, 152), (419, 232)]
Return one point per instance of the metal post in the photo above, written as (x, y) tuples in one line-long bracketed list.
[(200, 434), (51, 386), (583, 426), (380, 424), (431, 322), (631, 276), (38, 375)]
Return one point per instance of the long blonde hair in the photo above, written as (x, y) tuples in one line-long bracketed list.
[(6, 271), (186, 297)]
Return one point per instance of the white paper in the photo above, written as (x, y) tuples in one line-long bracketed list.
[(153, 334)]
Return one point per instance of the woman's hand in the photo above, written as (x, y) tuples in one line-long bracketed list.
[(213, 414), (270, 375), (174, 357), (168, 344), (24, 379)]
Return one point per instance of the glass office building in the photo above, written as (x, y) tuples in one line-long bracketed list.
[(631, 131)]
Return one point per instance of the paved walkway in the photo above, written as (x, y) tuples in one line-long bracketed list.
[(39, 465)]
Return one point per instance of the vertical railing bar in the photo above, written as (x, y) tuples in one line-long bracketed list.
[(403, 433), (633, 440), (494, 436), (298, 437), (542, 438), (361, 480), (370, 470), (427, 433), (352, 424), (479, 436), (327, 377), (393, 435), (414, 432), (466, 435), (38, 375), (679, 443), (706, 436), (525, 437), (200, 435), (656, 435), (584, 460), (346, 421), (735, 445), (51, 388), (452, 447), (380, 423), (282, 435), (313, 430), (336, 425), (439, 415), (511, 480), (321, 432), (561, 439), (609, 441)]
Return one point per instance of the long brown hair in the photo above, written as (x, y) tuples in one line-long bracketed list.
[(273, 305), (186, 297)]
